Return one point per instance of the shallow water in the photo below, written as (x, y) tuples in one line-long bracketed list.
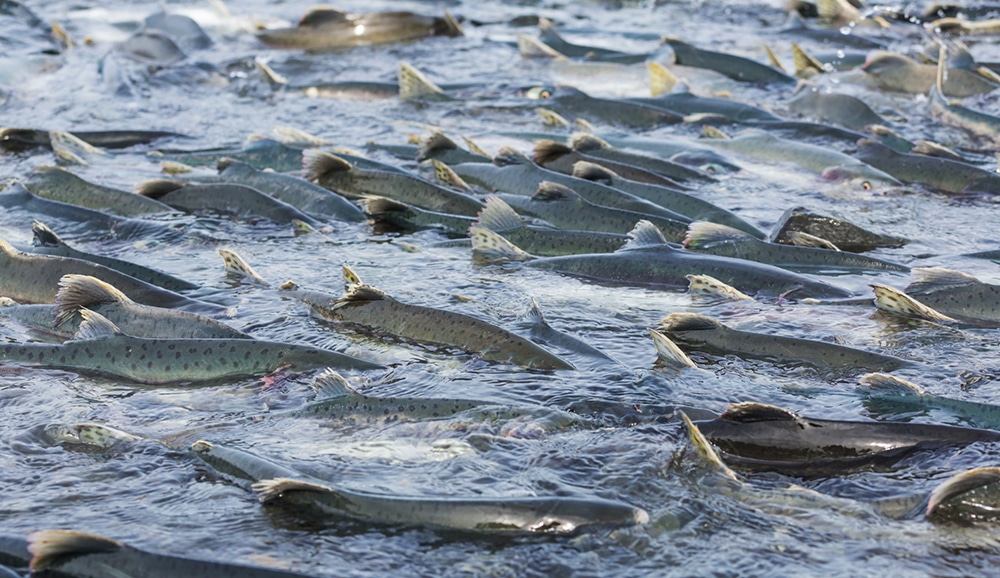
[(169, 501)]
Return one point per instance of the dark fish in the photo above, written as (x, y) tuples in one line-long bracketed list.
[(687, 103), (841, 109), (845, 236), (910, 396), (225, 198), (940, 174), (972, 496), (601, 150), (15, 139), (550, 36), (58, 184), (735, 67), (956, 295), (399, 214), (561, 158), (570, 101), (899, 73)]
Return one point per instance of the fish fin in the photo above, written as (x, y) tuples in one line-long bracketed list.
[(78, 291), (805, 64), (270, 75), (157, 188), (829, 10), (292, 136), (773, 58), (510, 156), (710, 286), (531, 47), (583, 124), (705, 449), (476, 149), (927, 280), (236, 265), (712, 132), (960, 484), (644, 234), (584, 142), (551, 117), (175, 168), (547, 151), (895, 301), (43, 236), (932, 149), (202, 446), (318, 15), (433, 143), (60, 34), (378, 206), (689, 322), (801, 239), (751, 411), (486, 242), (64, 141), (498, 216), (549, 191), (225, 162), (7, 302), (360, 293), (453, 28), (317, 163), (703, 234), (668, 353), (331, 385), (447, 176), (7, 248), (351, 278), (414, 85), (593, 172), (890, 384), (49, 547), (268, 490), (95, 326), (288, 286), (989, 74), (661, 80), (534, 315)]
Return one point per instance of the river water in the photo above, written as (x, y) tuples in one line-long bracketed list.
[(164, 499)]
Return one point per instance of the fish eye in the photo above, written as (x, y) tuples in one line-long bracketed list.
[(539, 92), (866, 185)]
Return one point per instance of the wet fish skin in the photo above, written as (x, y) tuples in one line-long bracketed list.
[(978, 123), (548, 34), (889, 388), (399, 214), (797, 28), (844, 235), (943, 175), (15, 139), (688, 103), (366, 306), (601, 150), (99, 347), (561, 159), (956, 295), (239, 200), (567, 100), (735, 67), (970, 497), (722, 240), (78, 554), (899, 73), (841, 109), (706, 333), (332, 31), (58, 184)]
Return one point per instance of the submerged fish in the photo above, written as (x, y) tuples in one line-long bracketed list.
[(944, 175), (58, 184), (100, 347), (841, 109), (550, 36), (978, 123), (567, 100), (366, 306), (15, 139), (706, 333), (648, 261), (902, 393), (399, 214), (562, 158), (601, 150), (325, 28), (239, 200), (972, 496), (480, 514), (899, 73)]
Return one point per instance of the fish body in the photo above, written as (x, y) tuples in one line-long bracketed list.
[(956, 295), (843, 36), (970, 497), (261, 154), (899, 73), (567, 100), (909, 395), (735, 67), (944, 175), (58, 184), (844, 235), (688, 103), (841, 109), (239, 200), (548, 34), (399, 214), (600, 150), (15, 139), (329, 29), (978, 123), (561, 159)]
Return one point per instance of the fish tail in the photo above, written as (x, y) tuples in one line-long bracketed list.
[(895, 301), (236, 265), (486, 242), (668, 353), (414, 85), (49, 546), (317, 163)]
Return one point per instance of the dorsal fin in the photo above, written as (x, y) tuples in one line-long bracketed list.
[(43, 236), (531, 47), (689, 322), (706, 285), (375, 206), (236, 265), (447, 176), (288, 286), (510, 156), (290, 135), (452, 27), (644, 234), (268, 490), (433, 143), (584, 142), (661, 80), (890, 384), (960, 484), (593, 172), (895, 301), (751, 411), (158, 188), (551, 117), (269, 74), (708, 131), (554, 192), (498, 216), (351, 278), (932, 149), (332, 385), (668, 353), (703, 234), (50, 546), (475, 148), (534, 314), (582, 124), (318, 15), (78, 291), (360, 293), (802, 239), (805, 64), (547, 151), (414, 85), (704, 448), (927, 280), (8, 249), (317, 163), (95, 326), (773, 59), (486, 242)]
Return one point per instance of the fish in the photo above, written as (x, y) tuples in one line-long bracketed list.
[(766, 438), (181, 28), (334, 173), (808, 64), (99, 347), (87, 436), (541, 331), (908, 395), (499, 217), (840, 109), (399, 214), (550, 36), (970, 497), (957, 295), (690, 206), (899, 73), (299, 193), (707, 334), (600, 150), (17, 139), (79, 554), (556, 515), (31, 278), (844, 235), (647, 260), (667, 352), (981, 124), (324, 28), (260, 153), (704, 237), (152, 47), (966, 27), (441, 148), (895, 301), (77, 292), (571, 101), (735, 67), (686, 103), (227, 198), (710, 287), (942, 175), (561, 158), (46, 242), (796, 27), (59, 184), (369, 307)]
